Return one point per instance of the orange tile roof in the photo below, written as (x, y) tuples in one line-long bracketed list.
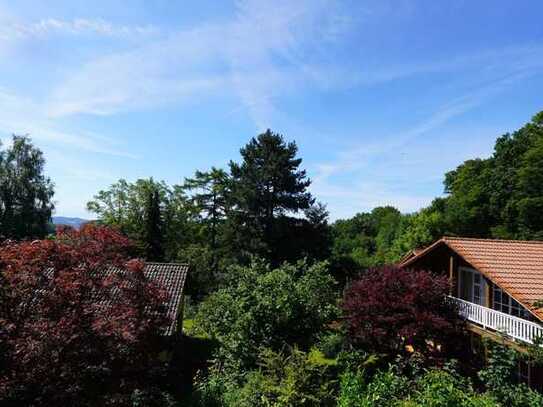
[(514, 265)]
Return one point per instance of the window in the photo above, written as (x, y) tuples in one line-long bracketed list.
[(516, 309), (504, 303), (471, 286), (477, 288)]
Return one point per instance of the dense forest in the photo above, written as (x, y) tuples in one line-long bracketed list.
[(284, 308)]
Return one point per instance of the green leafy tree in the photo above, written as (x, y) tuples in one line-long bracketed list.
[(354, 240), (265, 307), (387, 223), (418, 231), (365, 240), (25, 192), (181, 223), (209, 194), (500, 196), (151, 213), (468, 210)]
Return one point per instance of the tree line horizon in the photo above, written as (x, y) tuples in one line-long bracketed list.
[(262, 207)]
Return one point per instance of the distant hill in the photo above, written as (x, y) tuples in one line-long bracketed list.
[(73, 222)]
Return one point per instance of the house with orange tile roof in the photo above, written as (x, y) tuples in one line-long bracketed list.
[(495, 285)]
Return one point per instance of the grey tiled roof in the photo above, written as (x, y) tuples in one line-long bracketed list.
[(171, 277)]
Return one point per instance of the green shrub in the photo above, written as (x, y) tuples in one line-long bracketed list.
[(439, 388), (152, 398), (352, 388), (288, 380), (331, 343), (385, 390), (267, 308), (499, 377), (212, 388), (434, 388), (356, 360), (283, 379)]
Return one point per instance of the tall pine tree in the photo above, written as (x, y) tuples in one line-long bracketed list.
[(267, 187), (153, 227)]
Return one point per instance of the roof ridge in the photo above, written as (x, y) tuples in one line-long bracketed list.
[(486, 239), (167, 263)]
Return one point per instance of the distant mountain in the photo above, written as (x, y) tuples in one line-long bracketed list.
[(73, 222)]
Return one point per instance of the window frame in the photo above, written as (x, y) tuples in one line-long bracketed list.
[(479, 286), (511, 306)]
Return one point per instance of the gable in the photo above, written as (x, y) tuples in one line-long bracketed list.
[(515, 266)]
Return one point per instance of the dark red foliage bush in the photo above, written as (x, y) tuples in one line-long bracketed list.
[(72, 333), (389, 308)]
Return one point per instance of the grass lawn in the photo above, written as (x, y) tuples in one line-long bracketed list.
[(318, 358)]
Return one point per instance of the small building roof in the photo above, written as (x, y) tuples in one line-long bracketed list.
[(516, 266), (171, 277)]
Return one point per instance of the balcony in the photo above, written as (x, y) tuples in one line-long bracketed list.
[(514, 327)]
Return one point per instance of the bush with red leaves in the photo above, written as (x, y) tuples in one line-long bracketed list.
[(70, 333), (388, 309)]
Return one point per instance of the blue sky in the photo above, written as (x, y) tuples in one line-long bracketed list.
[(382, 97)]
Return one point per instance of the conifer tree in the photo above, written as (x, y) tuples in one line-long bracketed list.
[(267, 187), (153, 227)]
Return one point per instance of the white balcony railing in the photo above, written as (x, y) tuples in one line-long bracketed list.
[(488, 318)]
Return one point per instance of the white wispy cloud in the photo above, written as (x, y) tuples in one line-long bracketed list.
[(381, 172), (267, 50), (78, 26), (255, 55), (22, 115)]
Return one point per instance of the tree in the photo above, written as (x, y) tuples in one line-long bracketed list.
[(500, 196), (468, 209), (123, 205), (266, 187), (210, 199), (73, 334), (387, 221), (264, 307), (365, 240), (419, 230), (128, 207), (25, 192), (153, 227), (388, 309)]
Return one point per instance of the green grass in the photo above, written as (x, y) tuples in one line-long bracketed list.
[(188, 325), (318, 358), (191, 330)]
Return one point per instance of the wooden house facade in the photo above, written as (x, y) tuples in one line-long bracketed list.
[(495, 285)]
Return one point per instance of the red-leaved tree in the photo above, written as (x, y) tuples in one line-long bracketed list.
[(389, 308), (72, 332)]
